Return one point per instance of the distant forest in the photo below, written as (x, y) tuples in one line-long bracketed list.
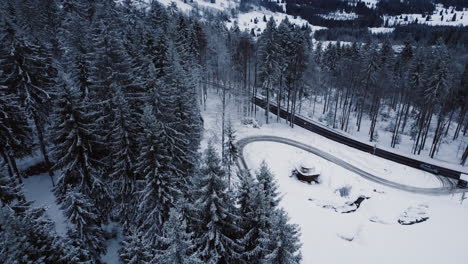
[(423, 34), (312, 10)]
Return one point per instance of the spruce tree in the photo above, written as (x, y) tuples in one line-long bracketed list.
[(283, 240), (27, 235), (134, 249), (27, 70), (124, 149), (177, 245), (15, 133), (231, 153), (74, 139), (216, 233), (82, 213), (268, 69), (268, 184), (255, 213), (159, 193)]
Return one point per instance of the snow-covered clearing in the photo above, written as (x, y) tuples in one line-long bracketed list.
[(441, 17), (340, 15), (372, 233), (381, 30), (38, 188), (255, 20)]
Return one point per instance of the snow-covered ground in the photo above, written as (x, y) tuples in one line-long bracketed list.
[(386, 169), (188, 5), (441, 17), (381, 30), (371, 234), (340, 15), (255, 20), (38, 188), (449, 153)]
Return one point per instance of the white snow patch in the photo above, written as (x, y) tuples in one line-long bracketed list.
[(381, 30), (255, 20), (38, 188), (436, 19)]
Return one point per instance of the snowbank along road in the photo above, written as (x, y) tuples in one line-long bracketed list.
[(447, 188)]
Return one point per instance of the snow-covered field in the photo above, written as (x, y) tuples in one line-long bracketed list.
[(254, 20), (372, 233), (340, 15), (441, 17)]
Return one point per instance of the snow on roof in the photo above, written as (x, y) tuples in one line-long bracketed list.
[(464, 177)]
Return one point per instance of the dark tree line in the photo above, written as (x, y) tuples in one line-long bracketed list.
[(110, 94)]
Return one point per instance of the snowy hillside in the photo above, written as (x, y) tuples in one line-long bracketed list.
[(441, 17), (257, 20)]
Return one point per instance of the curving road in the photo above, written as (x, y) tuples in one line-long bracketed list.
[(315, 127), (448, 186)]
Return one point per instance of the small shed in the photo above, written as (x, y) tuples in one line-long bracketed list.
[(306, 171)]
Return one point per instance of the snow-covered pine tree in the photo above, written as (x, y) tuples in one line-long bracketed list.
[(215, 237), (179, 118), (159, 193), (124, 150), (27, 70), (74, 139), (255, 212), (176, 244), (134, 249), (268, 69), (160, 55), (27, 235), (230, 149), (269, 185), (158, 17), (9, 190), (283, 240), (82, 213), (15, 133)]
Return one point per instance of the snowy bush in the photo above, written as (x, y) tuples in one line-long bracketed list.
[(344, 191), (376, 136), (329, 118), (250, 121), (390, 127), (398, 139)]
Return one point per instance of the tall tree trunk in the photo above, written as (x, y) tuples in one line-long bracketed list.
[(7, 163), (460, 121), (426, 132), (405, 119), (40, 135), (336, 109), (464, 156), (449, 123), (223, 114), (267, 111)]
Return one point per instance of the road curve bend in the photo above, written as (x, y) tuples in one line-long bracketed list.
[(447, 188)]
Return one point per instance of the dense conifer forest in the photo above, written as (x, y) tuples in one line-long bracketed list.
[(109, 95)]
